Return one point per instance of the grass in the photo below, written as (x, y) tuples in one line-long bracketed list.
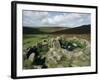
[(31, 39)]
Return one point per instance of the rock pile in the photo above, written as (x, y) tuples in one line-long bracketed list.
[(58, 52)]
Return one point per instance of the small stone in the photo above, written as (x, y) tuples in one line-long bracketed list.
[(31, 57)]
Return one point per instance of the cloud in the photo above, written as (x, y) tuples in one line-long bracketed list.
[(31, 18), (37, 18)]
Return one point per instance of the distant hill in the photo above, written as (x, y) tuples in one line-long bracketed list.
[(29, 30), (41, 30), (51, 29), (84, 29)]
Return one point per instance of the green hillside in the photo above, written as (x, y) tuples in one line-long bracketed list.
[(41, 30)]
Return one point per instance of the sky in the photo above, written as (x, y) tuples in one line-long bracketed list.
[(50, 18)]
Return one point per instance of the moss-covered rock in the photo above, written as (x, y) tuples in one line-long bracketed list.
[(59, 52)]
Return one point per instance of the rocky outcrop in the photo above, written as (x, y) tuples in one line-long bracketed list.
[(58, 52)]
